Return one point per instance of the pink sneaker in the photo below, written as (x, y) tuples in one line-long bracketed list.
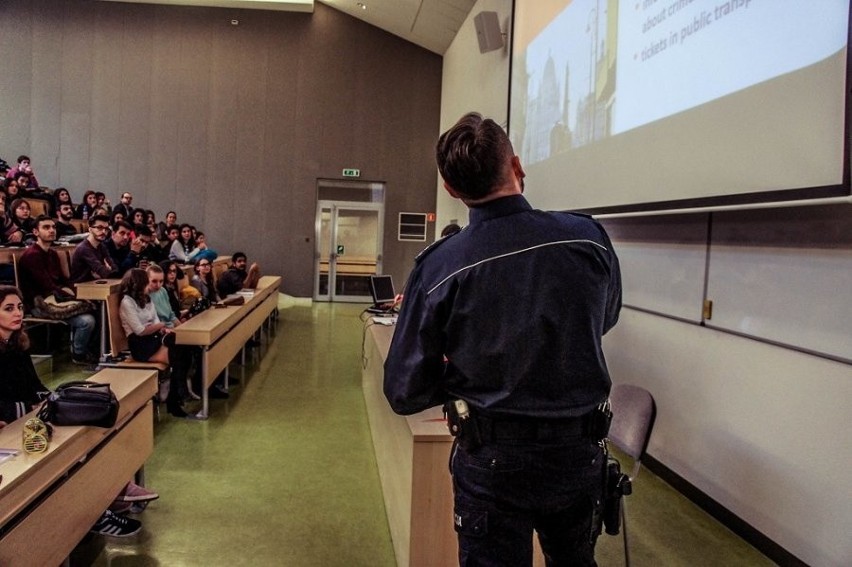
[(135, 493)]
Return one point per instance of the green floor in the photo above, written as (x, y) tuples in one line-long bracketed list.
[(283, 473)]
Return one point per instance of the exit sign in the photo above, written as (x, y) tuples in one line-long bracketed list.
[(351, 173)]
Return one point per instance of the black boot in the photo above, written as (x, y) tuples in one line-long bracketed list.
[(174, 408)]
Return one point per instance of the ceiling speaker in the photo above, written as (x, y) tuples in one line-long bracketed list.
[(488, 31)]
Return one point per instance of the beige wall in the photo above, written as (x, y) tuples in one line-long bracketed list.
[(759, 428), (473, 81), (229, 125)]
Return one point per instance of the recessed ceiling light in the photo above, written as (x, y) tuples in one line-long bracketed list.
[(362, 5)]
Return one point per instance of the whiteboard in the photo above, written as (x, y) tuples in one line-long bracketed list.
[(663, 262), (782, 275)]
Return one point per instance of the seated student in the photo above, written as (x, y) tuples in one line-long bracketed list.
[(21, 219), (125, 205), (203, 280), (40, 274), (160, 297), (172, 233), (24, 167), (151, 223), (10, 233), (173, 275), (126, 250), (149, 339), (60, 196), (12, 192), (163, 226), (21, 391), (137, 219), (87, 208), (91, 260), (102, 202), (64, 214), (201, 242), (116, 216), (237, 277), (184, 249)]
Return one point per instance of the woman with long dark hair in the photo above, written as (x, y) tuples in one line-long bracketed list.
[(21, 216), (21, 391), (203, 280), (149, 339), (20, 388), (173, 274), (12, 191), (184, 249), (87, 208), (9, 231)]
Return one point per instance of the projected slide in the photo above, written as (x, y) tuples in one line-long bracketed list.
[(589, 71)]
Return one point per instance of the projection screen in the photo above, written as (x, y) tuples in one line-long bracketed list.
[(671, 104)]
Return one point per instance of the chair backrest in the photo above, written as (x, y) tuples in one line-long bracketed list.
[(633, 414), (117, 337), (65, 262), (81, 225), (15, 269), (37, 207), (218, 268)]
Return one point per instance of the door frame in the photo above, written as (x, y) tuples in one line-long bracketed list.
[(336, 206)]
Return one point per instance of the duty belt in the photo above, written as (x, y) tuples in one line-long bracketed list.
[(530, 429)]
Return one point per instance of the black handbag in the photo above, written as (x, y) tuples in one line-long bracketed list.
[(80, 403), (200, 305)]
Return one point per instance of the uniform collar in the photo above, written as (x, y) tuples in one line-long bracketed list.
[(499, 208)]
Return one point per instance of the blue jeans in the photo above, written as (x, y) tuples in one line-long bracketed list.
[(82, 329), (504, 491)]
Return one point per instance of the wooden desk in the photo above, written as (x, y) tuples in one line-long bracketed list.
[(223, 332), (95, 291), (56, 496), (412, 454), (8, 252)]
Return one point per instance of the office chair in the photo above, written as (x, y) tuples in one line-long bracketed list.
[(633, 414)]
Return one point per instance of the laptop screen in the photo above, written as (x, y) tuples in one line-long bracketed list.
[(382, 289)]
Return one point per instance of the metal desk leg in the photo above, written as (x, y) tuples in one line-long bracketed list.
[(104, 323), (205, 399)]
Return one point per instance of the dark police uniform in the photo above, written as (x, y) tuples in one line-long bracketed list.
[(508, 315)]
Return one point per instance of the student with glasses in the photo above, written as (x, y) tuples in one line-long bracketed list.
[(91, 259), (203, 280)]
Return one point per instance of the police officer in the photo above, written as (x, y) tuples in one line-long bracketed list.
[(502, 322)]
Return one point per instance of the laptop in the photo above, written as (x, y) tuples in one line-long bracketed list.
[(382, 290)]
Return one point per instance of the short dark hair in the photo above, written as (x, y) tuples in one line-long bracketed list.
[(472, 156), (22, 158), (96, 218), (143, 230), (122, 223), (237, 256), (40, 219)]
